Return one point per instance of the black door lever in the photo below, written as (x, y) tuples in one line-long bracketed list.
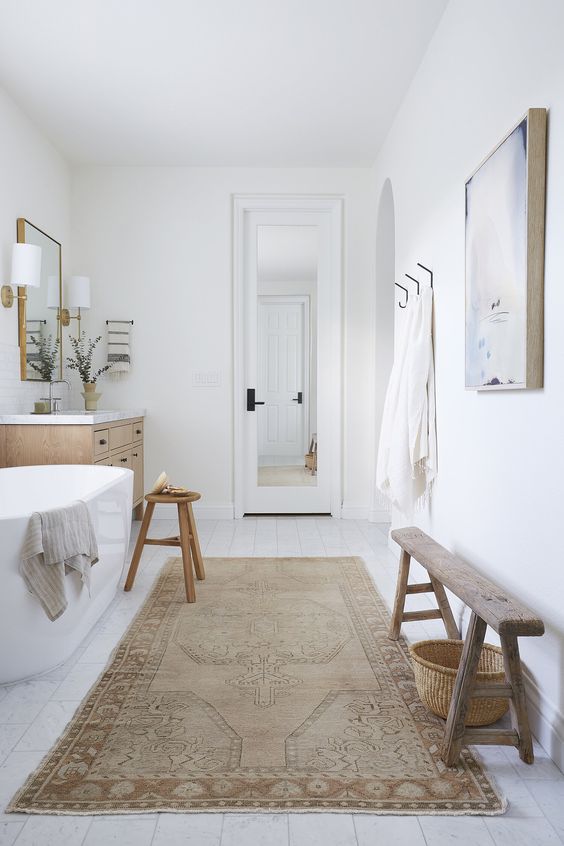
[(251, 401), (299, 398)]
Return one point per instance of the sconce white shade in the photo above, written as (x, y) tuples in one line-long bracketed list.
[(26, 265), (78, 292), (53, 300)]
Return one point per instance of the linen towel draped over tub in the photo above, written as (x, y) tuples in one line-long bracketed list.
[(407, 453), (56, 542)]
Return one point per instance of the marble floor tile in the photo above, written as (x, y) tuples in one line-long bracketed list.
[(462, 831), (372, 830), (122, 831), (322, 830), (53, 831), (522, 832), (255, 829), (48, 726), (9, 832), (188, 830)]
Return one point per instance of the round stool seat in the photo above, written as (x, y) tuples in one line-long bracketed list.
[(175, 499)]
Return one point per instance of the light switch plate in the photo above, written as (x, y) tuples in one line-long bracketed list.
[(206, 379)]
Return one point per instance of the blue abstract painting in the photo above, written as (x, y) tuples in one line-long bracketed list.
[(496, 266)]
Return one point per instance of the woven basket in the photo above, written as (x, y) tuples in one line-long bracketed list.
[(435, 664)]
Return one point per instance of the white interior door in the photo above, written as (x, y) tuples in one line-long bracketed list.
[(282, 366), (287, 489)]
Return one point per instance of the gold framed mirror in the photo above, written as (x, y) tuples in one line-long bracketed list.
[(39, 310)]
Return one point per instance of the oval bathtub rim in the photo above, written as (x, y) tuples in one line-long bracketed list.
[(120, 473)]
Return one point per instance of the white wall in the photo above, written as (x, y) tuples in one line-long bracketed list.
[(35, 184), (157, 244), (498, 499)]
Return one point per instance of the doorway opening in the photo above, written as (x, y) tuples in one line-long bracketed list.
[(288, 355)]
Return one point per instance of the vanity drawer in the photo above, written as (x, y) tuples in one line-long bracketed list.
[(121, 436), (101, 441), (138, 430), (107, 462), (122, 459)]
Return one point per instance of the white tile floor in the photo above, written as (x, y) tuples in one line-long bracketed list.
[(32, 714)]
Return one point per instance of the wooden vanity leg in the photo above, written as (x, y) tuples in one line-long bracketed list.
[(518, 704), (138, 511), (139, 546), (465, 679), (399, 602), (195, 544), (184, 525)]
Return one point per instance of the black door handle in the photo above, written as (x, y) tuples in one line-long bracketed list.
[(299, 398), (251, 401)]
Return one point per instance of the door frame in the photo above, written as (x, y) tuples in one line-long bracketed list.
[(331, 205), (303, 300)]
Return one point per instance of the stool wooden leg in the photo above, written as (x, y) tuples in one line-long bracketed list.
[(139, 546), (195, 544), (518, 704), (399, 603), (465, 679), (184, 524)]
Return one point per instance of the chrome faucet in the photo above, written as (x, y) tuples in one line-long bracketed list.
[(55, 400)]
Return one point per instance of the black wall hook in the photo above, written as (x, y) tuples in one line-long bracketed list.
[(406, 295), (430, 272), (413, 279)]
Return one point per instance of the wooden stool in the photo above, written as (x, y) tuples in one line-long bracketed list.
[(187, 540)]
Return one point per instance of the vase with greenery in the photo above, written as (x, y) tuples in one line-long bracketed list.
[(81, 361), (48, 352)]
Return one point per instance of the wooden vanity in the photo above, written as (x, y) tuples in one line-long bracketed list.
[(111, 438)]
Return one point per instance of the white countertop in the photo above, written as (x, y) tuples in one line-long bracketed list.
[(73, 418)]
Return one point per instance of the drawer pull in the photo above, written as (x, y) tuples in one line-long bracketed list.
[(102, 441), (124, 460), (138, 431), (135, 454)]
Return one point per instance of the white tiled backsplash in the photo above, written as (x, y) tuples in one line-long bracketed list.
[(16, 396)]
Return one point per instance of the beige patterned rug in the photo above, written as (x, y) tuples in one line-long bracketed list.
[(277, 690)]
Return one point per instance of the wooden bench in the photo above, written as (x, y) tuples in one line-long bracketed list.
[(490, 606)]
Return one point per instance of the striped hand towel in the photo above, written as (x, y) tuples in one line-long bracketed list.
[(119, 352), (57, 541)]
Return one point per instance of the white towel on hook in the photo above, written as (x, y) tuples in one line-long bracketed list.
[(407, 452), (119, 347)]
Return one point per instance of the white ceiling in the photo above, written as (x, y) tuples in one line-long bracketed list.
[(287, 254), (214, 82)]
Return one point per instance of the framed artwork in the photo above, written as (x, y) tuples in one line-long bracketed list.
[(505, 201)]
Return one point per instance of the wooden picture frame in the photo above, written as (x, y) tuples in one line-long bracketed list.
[(504, 261)]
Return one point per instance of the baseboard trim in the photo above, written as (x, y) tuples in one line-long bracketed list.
[(205, 511), (379, 515), (547, 722), (354, 512)]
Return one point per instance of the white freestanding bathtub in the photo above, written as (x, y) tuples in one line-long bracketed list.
[(29, 642)]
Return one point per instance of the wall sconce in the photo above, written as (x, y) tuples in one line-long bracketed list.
[(78, 296), (26, 272)]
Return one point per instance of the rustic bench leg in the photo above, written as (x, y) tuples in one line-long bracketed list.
[(399, 602), (465, 679), (144, 528), (445, 609), (518, 703)]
